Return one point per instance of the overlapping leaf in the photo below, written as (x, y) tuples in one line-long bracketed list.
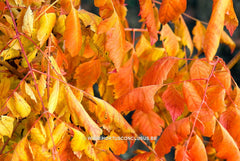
[(175, 133)]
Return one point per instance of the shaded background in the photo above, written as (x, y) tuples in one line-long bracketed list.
[(200, 9)]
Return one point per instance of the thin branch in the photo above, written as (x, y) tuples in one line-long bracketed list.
[(234, 60), (11, 69)]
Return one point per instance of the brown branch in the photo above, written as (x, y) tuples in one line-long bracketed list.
[(234, 60), (11, 69)]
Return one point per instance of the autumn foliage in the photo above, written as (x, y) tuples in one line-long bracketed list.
[(56, 58)]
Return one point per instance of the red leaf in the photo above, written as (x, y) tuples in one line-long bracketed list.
[(141, 98), (158, 72), (72, 34), (231, 21), (225, 145), (146, 12), (175, 133), (171, 9), (149, 123), (173, 101)]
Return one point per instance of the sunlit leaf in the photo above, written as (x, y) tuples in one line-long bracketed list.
[(171, 9), (198, 35), (181, 30), (227, 40), (38, 134), (46, 23), (79, 115), (170, 40), (18, 106), (27, 27), (52, 103), (6, 126), (30, 92)]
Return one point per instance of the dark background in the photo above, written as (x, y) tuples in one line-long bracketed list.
[(200, 9)]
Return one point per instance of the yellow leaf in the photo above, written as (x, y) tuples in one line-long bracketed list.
[(170, 40), (38, 133), (60, 24), (58, 134), (79, 141), (42, 84), (23, 151), (9, 54), (18, 106), (27, 27), (30, 92), (52, 104), (198, 35), (6, 126), (227, 40), (46, 24), (30, 58)]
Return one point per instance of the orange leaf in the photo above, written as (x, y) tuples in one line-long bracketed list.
[(72, 34), (149, 123), (115, 40), (22, 151), (200, 70), (215, 98), (146, 12), (87, 73), (231, 21), (182, 31), (175, 133), (141, 98), (227, 40), (158, 72), (193, 99), (170, 40), (198, 35), (79, 115), (173, 101), (214, 29), (146, 156), (171, 9), (222, 78), (122, 80), (225, 145), (117, 146), (195, 152), (230, 120)]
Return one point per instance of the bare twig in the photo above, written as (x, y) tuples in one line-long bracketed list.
[(234, 60)]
